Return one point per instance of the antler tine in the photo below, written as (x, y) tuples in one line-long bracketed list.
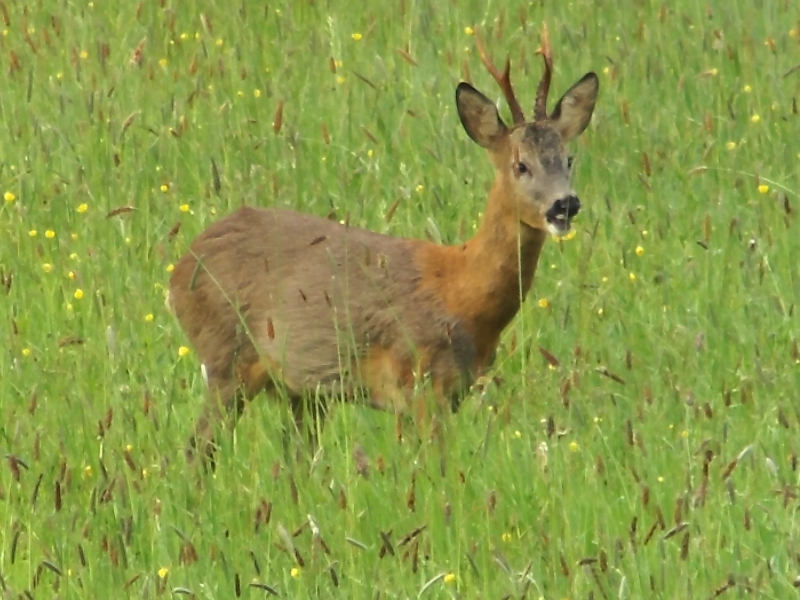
[(540, 109), (503, 80)]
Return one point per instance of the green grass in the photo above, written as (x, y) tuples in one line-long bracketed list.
[(693, 155)]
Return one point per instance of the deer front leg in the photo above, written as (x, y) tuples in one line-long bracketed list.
[(224, 403), (309, 419), (222, 399)]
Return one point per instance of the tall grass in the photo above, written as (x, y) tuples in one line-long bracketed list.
[(657, 459)]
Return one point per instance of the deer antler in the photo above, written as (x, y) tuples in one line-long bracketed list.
[(540, 109), (503, 80)]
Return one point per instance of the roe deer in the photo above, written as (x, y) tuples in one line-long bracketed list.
[(297, 304)]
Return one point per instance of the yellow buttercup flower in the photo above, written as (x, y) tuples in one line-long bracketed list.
[(567, 236)]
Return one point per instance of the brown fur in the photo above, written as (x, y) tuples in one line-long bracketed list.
[(278, 300)]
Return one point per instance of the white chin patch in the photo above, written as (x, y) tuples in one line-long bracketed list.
[(559, 228)]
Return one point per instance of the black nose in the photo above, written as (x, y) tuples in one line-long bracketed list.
[(566, 207)]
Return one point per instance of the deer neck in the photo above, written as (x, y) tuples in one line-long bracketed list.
[(500, 262), (484, 281)]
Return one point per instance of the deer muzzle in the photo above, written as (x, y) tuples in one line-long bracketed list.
[(560, 214)]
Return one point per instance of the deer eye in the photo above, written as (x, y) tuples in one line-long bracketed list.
[(570, 158), (521, 168)]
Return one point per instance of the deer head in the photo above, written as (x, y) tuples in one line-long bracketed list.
[(533, 167)]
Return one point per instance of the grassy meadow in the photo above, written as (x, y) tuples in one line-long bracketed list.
[(640, 436)]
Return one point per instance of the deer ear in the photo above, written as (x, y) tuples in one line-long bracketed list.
[(479, 116), (574, 111)]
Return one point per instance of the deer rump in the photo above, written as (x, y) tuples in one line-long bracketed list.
[(272, 298)]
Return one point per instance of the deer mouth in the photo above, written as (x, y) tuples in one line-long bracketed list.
[(559, 225), (559, 216)]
